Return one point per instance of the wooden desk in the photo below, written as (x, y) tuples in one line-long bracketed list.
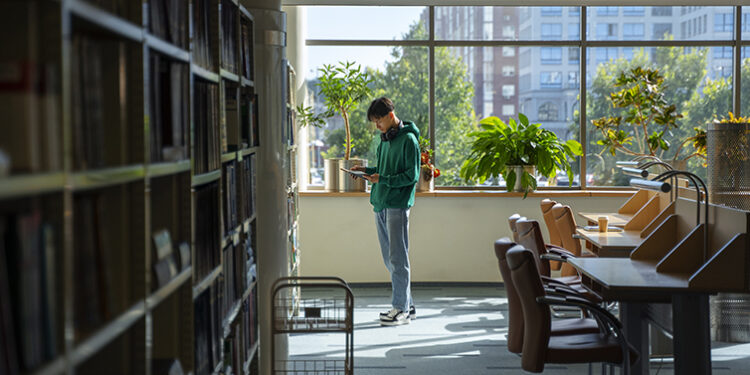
[(611, 244), (615, 219), (635, 284)]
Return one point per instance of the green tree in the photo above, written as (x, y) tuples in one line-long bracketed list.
[(405, 80), (683, 69)]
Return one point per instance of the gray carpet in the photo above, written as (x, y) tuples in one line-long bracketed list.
[(458, 330)]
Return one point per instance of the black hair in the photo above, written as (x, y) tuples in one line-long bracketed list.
[(379, 108)]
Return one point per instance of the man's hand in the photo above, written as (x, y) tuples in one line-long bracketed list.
[(358, 168), (374, 178)]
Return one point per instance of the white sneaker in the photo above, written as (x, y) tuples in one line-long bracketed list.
[(395, 317), (412, 314)]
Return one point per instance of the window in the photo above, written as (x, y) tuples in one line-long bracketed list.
[(745, 22), (604, 55), (552, 11), (551, 31), (661, 11), (661, 30), (509, 110), (574, 31), (633, 31), (487, 107), (607, 11), (723, 22), (504, 79), (551, 55), (548, 112), (724, 52), (606, 31), (634, 11), (574, 55), (550, 80), (573, 80)]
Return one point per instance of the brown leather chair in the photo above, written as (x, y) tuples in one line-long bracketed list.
[(515, 314), (566, 227), (540, 346), (554, 235), (512, 223), (530, 236)]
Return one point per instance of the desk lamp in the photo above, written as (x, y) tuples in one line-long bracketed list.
[(641, 171), (658, 184)]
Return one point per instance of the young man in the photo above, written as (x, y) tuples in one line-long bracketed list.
[(394, 182)]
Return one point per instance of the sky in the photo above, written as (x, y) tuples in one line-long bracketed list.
[(385, 23)]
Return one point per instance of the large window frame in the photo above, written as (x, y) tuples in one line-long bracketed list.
[(736, 43)]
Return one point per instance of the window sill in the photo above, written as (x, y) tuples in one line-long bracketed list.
[(484, 193)]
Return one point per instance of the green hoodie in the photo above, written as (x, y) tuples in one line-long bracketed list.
[(398, 167)]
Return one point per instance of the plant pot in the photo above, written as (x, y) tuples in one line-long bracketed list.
[(426, 182), (346, 182), (519, 171), (331, 174)]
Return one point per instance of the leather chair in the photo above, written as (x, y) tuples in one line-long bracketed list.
[(554, 235), (512, 223), (515, 314), (540, 346), (566, 227), (530, 236)]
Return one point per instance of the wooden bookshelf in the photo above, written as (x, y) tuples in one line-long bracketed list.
[(108, 187)]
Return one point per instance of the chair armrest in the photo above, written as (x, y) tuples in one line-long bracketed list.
[(555, 257), (570, 300), (600, 315), (562, 252)]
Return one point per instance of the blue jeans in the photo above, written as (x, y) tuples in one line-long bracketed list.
[(393, 234)]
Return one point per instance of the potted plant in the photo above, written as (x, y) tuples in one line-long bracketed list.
[(343, 86), (648, 117), (513, 150), (427, 172)]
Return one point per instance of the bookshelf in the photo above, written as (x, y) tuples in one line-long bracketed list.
[(289, 140), (127, 188)]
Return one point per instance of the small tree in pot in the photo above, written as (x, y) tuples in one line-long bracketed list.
[(343, 87), (501, 149)]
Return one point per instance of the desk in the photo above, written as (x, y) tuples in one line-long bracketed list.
[(634, 284), (615, 219), (611, 244)]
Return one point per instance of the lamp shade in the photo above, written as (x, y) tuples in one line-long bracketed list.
[(627, 164), (634, 172), (651, 185)]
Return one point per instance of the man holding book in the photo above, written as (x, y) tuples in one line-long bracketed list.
[(394, 182)]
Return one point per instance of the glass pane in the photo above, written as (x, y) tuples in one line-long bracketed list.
[(697, 82), (658, 23), (745, 23), (364, 23), (503, 84), (399, 73), (745, 84), (506, 23)]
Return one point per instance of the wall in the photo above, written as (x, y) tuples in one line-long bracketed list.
[(450, 237)]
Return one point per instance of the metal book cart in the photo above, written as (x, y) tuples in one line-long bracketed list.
[(313, 305)]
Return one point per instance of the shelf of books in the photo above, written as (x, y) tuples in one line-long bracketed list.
[(127, 188), (289, 135)]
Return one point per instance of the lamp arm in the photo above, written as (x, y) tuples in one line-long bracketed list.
[(693, 177)]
